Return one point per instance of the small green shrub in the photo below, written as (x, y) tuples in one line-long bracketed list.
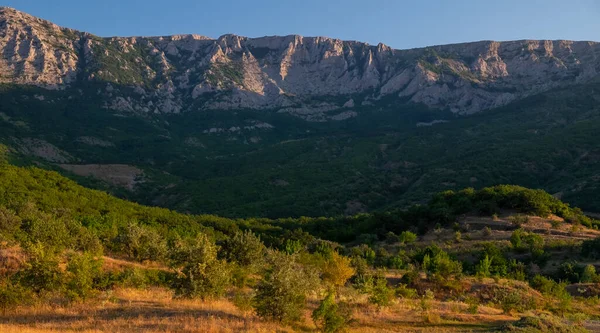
[(403, 291), (381, 295), (330, 317), (41, 272), (82, 271), (408, 237)]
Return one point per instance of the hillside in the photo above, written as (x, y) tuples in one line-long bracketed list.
[(78, 259)]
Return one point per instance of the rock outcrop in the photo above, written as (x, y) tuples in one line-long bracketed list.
[(306, 76)]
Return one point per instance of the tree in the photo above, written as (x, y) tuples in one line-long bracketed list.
[(41, 272), (483, 268), (281, 295), (82, 269), (142, 243), (244, 248), (337, 270), (200, 273), (589, 274), (408, 237)]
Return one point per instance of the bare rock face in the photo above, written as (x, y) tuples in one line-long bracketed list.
[(189, 72)]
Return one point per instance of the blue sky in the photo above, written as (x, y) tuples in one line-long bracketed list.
[(400, 24)]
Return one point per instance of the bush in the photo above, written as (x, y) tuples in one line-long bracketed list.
[(589, 274), (243, 301), (512, 300), (141, 243), (337, 270), (404, 291), (41, 272), (13, 295), (368, 239), (381, 295), (10, 224), (200, 273), (543, 323), (328, 317), (591, 248), (365, 252), (483, 268), (472, 304), (438, 263), (392, 238), (408, 237), (518, 220), (82, 270), (281, 295), (522, 241), (244, 248)]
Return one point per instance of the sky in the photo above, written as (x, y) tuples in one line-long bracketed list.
[(398, 23)]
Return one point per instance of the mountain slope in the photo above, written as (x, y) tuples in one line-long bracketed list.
[(189, 72), (145, 118)]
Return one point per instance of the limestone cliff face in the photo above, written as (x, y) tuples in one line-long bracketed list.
[(285, 74)]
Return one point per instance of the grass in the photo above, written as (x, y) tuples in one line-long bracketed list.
[(155, 310)]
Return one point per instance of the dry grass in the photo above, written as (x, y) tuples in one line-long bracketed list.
[(155, 310), (130, 310)]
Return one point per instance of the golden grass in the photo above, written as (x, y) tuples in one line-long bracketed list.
[(155, 310)]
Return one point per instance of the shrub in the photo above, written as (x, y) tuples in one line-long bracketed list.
[(41, 272), (404, 291), (408, 237), (589, 274), (522, 240), (10, 224), (365, 252), (381, 257), (512, 300), (293, 246), (487, 232), (329, 317), (440, 265), (381, 295), (457, 237), (337, 270), (518, 220), (141, 243), (543, 323), (368, 239), (591, 248), (281, 295), (243, 301), (82, 270), (392, 238), (140, 278), (426, 300), (200, 273), (13, 295), (483, 268), (244, 248), (472, 304)]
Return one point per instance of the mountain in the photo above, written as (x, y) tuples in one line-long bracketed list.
[(292, 126), (311, 77)]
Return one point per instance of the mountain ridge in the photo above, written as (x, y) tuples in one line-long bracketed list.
[(314, 78)]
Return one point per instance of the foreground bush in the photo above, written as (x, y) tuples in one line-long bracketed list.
[(328, 317), (200, 273), (281, 295)]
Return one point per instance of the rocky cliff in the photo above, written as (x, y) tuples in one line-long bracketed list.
[(316, 78)]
